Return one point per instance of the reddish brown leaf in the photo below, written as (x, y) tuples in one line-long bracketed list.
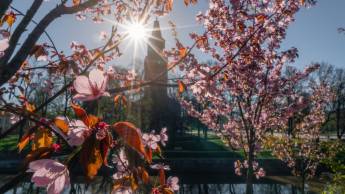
[(134, 183), (120, 99), (76, 2), (105, 145), (89, 120), (26, 138), (186, 2), (131, 135), (9, 18), (37, 154), (149, 155), (62, 124), (91, 157), (181, 87), (37, 51), (43, 139), (145, 177), (182, 52), (79, 111), (260, 18), (29, 107), (167, 190), (23, 142), (169, 5), (162, 176)]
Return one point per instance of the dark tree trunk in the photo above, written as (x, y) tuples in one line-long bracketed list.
[(4, 6), (303, 184), (250, 171), (338, 120), (249, 181)]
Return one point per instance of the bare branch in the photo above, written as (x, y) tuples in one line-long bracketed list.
[(20, 29), (8, 70), (4, 6)]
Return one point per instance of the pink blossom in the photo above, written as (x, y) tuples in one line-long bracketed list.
[(260, 173), (76, 134), (14, 118), (238, 167), (151, 140), (163, 136), (172, 183), (131, 75), (92, 87), (51, 174), (160, 166), (103, 35), (122, 163), (4, 44), (80, 16)]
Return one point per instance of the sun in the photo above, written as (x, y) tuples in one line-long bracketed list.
[(136, 31)]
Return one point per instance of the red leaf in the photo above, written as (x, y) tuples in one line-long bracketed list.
[(181, 87), (39, 153), (131, 135), (26, 138), (161, 176), (90, 157), (105, 145), (169, 5), (62, 124), (89, 120)]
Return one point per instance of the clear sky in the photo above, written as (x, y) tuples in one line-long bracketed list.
[(314, 33)]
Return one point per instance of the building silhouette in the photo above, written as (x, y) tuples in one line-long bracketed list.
[(158, 108)]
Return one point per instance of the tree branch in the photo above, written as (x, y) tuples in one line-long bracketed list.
[(8, 70), (4, 6), (20, 29)]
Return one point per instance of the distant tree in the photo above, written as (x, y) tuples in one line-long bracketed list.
[(245, 95), (335, 78)]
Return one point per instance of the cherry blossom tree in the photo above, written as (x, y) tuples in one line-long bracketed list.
[(244, 94)]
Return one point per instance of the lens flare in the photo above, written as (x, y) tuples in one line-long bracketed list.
[(137, 31)]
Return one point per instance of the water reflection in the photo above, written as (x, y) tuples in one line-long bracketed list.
[(103, 187), (237, 189)]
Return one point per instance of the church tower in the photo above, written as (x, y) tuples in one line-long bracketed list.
[(155, 64), (155, 101)]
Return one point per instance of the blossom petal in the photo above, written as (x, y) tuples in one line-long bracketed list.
[(38, 164), (83, 97), (40, 178), (82, 85), (57, 186), (97, 79), (4, 44)]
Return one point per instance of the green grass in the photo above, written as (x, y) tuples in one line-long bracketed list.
[(192, 146), (9, 143)]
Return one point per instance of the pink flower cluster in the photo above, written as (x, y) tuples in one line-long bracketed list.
[(151, 139), (50, 174)]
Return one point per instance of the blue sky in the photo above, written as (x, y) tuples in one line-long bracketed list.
[(314, 33)]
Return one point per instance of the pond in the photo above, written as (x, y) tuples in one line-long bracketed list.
[(101, 186)]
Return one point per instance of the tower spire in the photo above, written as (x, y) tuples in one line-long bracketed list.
[(156, 41)]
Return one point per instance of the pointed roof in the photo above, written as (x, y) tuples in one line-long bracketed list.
[(156, 32)]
